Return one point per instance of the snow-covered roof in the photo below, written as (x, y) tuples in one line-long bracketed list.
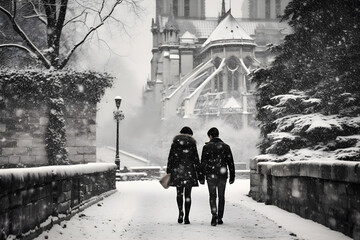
[(200, 28), (228, 29), (188, 38), (232, 103), (188, 35)]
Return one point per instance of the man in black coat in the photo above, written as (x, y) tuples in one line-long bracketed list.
[(216, 159)]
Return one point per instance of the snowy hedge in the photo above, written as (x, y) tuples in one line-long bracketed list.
[(30, 87)]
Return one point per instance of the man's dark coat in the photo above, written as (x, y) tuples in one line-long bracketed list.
[(216, 158)]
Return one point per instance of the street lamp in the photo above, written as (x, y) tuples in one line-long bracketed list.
[(118, 116)]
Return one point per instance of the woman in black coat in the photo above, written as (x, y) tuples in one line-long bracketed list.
[(184, 168)]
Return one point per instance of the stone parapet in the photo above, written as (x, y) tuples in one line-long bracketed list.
[(31, 196), (327, 192)]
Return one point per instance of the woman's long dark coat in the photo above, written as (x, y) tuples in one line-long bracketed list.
[(183, 162)]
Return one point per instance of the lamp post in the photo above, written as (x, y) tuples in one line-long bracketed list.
[(118, 116)]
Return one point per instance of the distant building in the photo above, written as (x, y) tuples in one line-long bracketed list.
[(200, 65)]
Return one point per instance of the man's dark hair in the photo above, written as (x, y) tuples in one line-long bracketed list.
[(214, 132), (186, 130)]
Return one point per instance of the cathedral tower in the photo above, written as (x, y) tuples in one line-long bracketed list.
[(190, 9), (265, 9)]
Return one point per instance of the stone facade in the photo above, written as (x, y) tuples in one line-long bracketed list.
[(327, 192), (22, 133), (187, 77), (34, 198)]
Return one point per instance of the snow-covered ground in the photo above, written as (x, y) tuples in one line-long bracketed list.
[(144, 210)]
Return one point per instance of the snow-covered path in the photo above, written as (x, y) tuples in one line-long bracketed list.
[(144, 210)]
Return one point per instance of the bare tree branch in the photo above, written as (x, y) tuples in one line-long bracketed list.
[(76, 17), (11, 45), (118, 2), (14, 7), (23, 35), (102, 6), (53, 14), (87, 7), (40, 16), (36, 16)]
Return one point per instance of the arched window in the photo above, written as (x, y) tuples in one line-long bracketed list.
[(217, 62), (248, 61), (219, 86), (236, 80), (230, 82), (233, 65)]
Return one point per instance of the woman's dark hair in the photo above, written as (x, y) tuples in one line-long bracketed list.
[(186, 130), (214, 132)]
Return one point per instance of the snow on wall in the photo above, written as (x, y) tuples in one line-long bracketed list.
[(21, 174)]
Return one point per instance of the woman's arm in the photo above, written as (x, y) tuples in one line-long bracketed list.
[(170, 160)]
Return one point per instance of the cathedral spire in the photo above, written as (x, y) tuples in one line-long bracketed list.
[(223, 11), (171, 23)]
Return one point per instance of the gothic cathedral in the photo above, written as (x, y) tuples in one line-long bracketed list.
[(200, 66)]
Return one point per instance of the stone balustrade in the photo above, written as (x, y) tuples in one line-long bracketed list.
[(32, 199), (327, 192)]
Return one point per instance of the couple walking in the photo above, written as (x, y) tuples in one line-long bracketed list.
[(186, 170)]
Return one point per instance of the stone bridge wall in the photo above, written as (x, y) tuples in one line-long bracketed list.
[(327, 192), (22, 133), (35, 198)]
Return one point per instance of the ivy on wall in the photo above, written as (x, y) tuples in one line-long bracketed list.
[(29, 88)]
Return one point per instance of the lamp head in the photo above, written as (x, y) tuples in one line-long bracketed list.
[(118, 101)]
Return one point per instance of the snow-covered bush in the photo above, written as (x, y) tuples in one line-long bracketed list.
[(309, 97), (29, 88)]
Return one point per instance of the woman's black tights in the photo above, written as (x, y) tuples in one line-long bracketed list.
[(180, 200)]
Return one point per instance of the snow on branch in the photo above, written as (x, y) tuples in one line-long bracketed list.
[(38, 15), (286, 98), (301, 124), (283, 142), (10, 45), (319, 121), (24, 36)]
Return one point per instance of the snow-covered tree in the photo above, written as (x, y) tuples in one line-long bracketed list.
[(309, 97), (81, 18)]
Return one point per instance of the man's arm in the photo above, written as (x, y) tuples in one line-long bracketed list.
[(204, 157), (198, 165), (231, 165)]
